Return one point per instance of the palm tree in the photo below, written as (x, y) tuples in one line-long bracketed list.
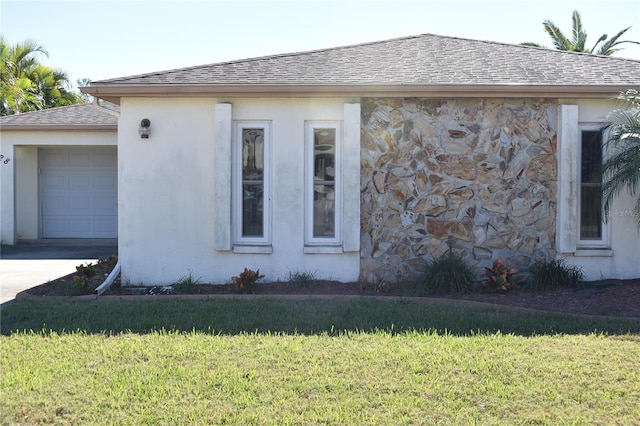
[(53, 86), (579, 39), (621, 169), (26, 84)]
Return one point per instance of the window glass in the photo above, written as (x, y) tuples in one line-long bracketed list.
[(322, 185), (324, 177), (590, 187), (251, 212), (252, 182)]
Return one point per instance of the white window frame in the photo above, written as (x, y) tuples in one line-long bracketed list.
[(237, 195), (604, 240), (310, 240)]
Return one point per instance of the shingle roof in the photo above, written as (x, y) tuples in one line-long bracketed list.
[(79, 116), (418, 60)]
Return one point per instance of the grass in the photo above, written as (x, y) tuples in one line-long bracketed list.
[(305, 316), (270, 361)]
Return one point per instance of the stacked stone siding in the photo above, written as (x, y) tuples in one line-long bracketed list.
[(479, 174)]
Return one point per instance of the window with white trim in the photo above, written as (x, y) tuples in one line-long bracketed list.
[(251, 199), (323, 192), (593, 232)]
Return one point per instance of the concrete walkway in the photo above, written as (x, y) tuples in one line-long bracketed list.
[(31, 263)]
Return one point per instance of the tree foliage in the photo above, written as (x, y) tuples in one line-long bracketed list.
[(578, 41), (28, 85), (621, 168)]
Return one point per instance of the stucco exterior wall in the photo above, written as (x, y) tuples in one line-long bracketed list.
[(19, 176), (167, 203), (621, 259)]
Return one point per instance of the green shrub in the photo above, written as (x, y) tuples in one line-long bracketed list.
[(302, 278), (447, 274), (88, 270), (186, 285), (555, 274), (80, 285), (499, 277), (247, 280)]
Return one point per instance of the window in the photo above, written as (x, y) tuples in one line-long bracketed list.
[(323, 193), (251, 186), (592, 229)]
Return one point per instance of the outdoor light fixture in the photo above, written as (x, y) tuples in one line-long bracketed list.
[(145, 128)]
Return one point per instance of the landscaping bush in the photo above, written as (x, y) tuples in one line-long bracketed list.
[(447, 274), (88, 270), (555, 274), (302, 278), (186, 285), (247, 280), (500, 277)]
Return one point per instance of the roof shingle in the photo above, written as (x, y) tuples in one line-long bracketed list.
[(417, 60), (79, 115)]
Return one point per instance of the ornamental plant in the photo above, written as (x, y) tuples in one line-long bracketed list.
[(80, 284), (448, 274), (88, 270), (499, 277), (555, 274), (247, 280)]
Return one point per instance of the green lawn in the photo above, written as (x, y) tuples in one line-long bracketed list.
[(258, 361)]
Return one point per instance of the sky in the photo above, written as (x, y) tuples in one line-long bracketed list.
[(105, 39)]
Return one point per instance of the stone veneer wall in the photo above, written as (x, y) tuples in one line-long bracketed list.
[(482, 171)]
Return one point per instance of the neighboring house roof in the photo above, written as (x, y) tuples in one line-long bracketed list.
[(103, 116), (428, 64)]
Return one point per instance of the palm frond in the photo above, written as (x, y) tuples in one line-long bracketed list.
[(608, 48), (558, 39), (621, 168), (579, 38), (579, 35), (602, 38), (532, 44)]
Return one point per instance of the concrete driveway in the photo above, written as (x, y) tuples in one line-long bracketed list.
[(30, 263)]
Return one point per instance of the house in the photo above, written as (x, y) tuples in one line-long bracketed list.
[(59, 173), (359, 162)]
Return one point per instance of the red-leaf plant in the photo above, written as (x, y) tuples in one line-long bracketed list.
[(246, 281), (500, 277)]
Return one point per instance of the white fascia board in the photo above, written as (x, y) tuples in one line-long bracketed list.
[(59, 127), (115, 91)]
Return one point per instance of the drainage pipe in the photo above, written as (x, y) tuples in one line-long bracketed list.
[(110, 279)]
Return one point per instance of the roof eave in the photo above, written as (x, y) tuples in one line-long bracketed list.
[(113, 92), (60, 127)]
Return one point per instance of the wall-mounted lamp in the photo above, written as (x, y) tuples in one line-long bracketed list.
[(145, 128)]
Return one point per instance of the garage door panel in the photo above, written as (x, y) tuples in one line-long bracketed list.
[(79, 225), (80, 205), (105, 160), (78, 192), (80, 183), (56, 227), (53, 182), (54, 205), (80, 159), (104, 205), (53, 159), (104, 183)]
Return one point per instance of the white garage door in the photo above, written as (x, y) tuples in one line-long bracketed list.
[(79, 192)]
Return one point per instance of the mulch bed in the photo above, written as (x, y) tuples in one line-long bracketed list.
[(606, 298)]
